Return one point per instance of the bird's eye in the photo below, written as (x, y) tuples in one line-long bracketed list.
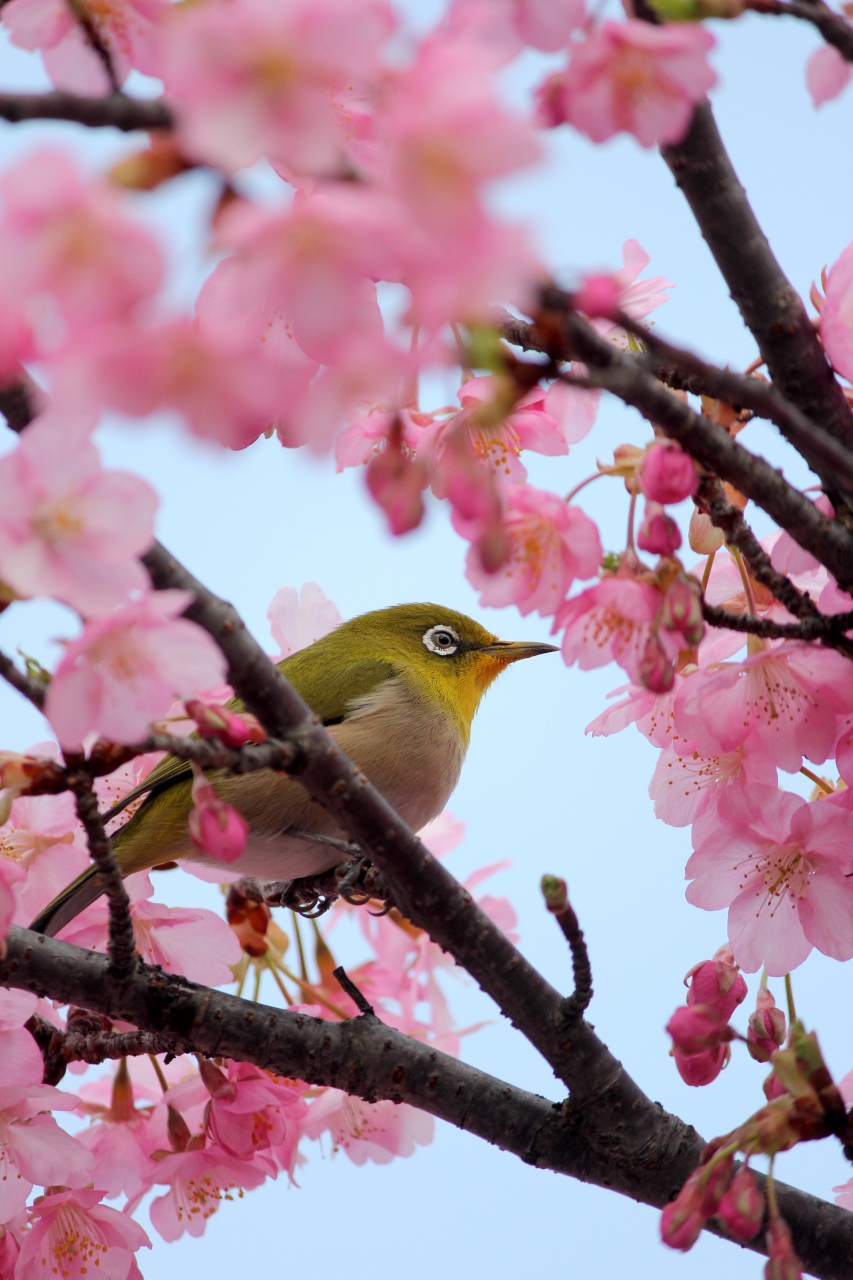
[(441, 640)]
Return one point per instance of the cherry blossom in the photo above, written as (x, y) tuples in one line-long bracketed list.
[(69, 249), (788, 696), (250, 1111), (191, 941), (33, 1148), (69, 528), (73, 1231), (612, 621), (127, 28), (298, 618), (550, 544), (127, 667), (216, 827), (836, 317), (199, 1180), (827, 74), (375, 1131), (21, 1062), (632, 77), (780, 865), (43, 838), (685, 783)]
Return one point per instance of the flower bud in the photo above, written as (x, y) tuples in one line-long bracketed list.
[(782, 1261), (654, 670), (766, 1029), (719, 983), (216, 721), (703, 536), (697, 1027), (773, 1087), (683, 1219), (177, 1129), (658, 534), (215, 827), (682, 608), (742, 1207), (598, 296), (668, 474), (718, 1175), (698, 1069), (396, 483), (215, 1081)]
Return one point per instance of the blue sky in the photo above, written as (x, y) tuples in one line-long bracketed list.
[(534, 789)]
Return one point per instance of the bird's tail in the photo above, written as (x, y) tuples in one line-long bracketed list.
[(68, 904)]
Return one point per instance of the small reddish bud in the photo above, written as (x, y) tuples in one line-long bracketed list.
[(216, 721), (697, 1027), (718, 1175), (215, 1081), (773, 1087), (717, 982), (683, 1219), (655, 671), (682, 608), (177, 1129), (742, 1207), (698, 1069), (668, 474), (215, 827), (598, 296), (396, 483), (782, 1261), (658, 534), (766, 1029)]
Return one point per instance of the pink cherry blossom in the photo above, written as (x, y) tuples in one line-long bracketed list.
[(127, 667), (780, 865), (75, 1234), (396, 482), (21, 1062), (612, 621), (836, 317), (369, 435), (113, 787), (33, 1148), (443, 834), (375, 1131), (250, 1110), (787, 555), (297, 619), (198, 1181), (193, 942), (632, 77), (68, 528), (550, 544), (652, 714), (227, 394), (547, 24), (827, 74), (788, 696), (43, 838), (685, 783), (127, 28), (68, 247), (602, 295), (253, 78), (668, 474), (120, 1138)]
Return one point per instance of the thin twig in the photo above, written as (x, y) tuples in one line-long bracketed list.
[(556, 897), (121, 945), (834, 28), (30, 688), (58, 1048), (819, 628), (346, 984), (87, 25)]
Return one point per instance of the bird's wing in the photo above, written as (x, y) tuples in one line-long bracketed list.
[(330, 700)]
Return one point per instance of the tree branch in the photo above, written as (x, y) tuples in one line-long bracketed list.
[(116, 111), (808, 629), (367, 1058), (769, 304), (24, 684), (557, 901), (834, 28)]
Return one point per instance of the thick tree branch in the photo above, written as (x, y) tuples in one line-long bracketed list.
[(565, 334), (369, 1059), (770, 306), (116, 111), (834, 28), (808, 629), (31, 689)]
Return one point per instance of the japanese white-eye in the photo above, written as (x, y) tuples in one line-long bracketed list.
[(398, 689)]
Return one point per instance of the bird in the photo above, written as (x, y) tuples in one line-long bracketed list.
[(397, 689)]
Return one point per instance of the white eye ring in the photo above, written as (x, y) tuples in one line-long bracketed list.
[(441, 632)]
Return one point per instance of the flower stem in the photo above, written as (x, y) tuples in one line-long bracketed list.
[(789, 995), (164, 1083), (747, 585), (819, 782), (596, 475), (706, 573)]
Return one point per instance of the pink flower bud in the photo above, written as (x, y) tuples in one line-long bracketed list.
[(396, 483), (703, 536), (697, 1027), (718, 1175), (682, 1219), (718, 983), (698, 1069), (658, 533), (668, 474), (216, 721), (682, 609), (654, 670), (215, 827), (782, 1261), (773, 1087), (766, 1029), (598, 296), (742, 1206)]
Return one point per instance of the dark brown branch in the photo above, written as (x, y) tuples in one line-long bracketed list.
[(770, 306), (121, 948), (25, 684), (116, 111), (566, 335), (58, 1048), (84, 20), (557, 901), (834, 28), (358, 998), (17, 398), (365, 1057), (808, 629)]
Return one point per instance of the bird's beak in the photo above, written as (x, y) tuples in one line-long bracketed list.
[(515, 650)]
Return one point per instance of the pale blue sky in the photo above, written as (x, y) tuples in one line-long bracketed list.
[(535, 789)]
